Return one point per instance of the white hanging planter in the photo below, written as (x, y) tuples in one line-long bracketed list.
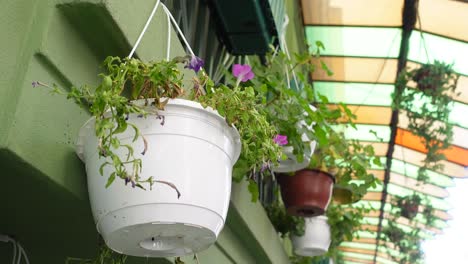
[(291, 164), (195, 150), (316, 239)]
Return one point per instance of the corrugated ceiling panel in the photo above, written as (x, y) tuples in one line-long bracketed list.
[(415, 158), (350, 69), (453, 27), (362, 58), (455, 154), (438, 48), (339, 12), (356, 93), (360, 42)]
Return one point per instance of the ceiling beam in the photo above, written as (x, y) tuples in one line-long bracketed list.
[(409, 17)]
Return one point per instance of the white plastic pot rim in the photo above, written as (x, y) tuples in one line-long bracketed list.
[(89, 124)]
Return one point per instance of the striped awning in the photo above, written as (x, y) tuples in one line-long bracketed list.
[(362, 43)]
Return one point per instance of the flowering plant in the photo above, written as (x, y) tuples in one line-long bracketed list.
[(125, 80), (295, 109)]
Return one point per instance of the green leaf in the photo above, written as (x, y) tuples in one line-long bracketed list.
[(137, 132), (101, 168), (321, 136), (121, 127), (253, 189), (111, 179), (115, 142)]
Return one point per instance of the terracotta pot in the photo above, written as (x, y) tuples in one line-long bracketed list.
[(307, 193)]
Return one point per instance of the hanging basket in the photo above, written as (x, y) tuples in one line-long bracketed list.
[(316, 239), (195, 150), (307, 193), (291, 164)]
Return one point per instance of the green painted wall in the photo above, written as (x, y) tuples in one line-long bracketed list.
[(43, 194)]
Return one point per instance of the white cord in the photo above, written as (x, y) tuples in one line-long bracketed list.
[(18, 250), (178, 30), (19, 255), (284, 47), (22, 251), (14, 251), (168, 37), (170, 18), (144, 29)]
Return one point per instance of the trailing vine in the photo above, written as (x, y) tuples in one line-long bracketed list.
[(428, 107)]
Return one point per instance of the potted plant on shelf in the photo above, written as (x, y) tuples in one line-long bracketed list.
[(142, 133), (428, 107)]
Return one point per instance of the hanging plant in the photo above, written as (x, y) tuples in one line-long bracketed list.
[(143, 133), (428, 214), (409, 205), (428, 107), (284, 223), (407, 243), (130, 79)]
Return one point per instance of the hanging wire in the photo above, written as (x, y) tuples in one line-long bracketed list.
[(144, 29), (18, 250), (174, 23), (423, 41), (378, 77)]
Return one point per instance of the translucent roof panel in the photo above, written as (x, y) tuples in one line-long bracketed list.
[(362, 41)]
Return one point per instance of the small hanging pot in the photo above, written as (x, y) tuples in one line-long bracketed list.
[(307, 193), (316, 239), (344, 195)]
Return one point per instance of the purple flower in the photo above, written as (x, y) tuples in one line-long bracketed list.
[(242, 72), (195, 64), (265, 166), (35, 84), (281, 140)]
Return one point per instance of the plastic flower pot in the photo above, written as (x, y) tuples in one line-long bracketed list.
[(307, 193), (427, 79), (195, 150), (291, 163), (409, 209), (316, 239)]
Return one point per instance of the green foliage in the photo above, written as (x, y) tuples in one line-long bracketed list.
[(284, 223), (285, 102), (105, 256), (406, 243), (428, 108), (347, 159), (344, 221), (289, 104), (125, 80), (240, 108)]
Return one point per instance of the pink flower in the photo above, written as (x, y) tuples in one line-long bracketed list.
[(281, 140), (242, 72)]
